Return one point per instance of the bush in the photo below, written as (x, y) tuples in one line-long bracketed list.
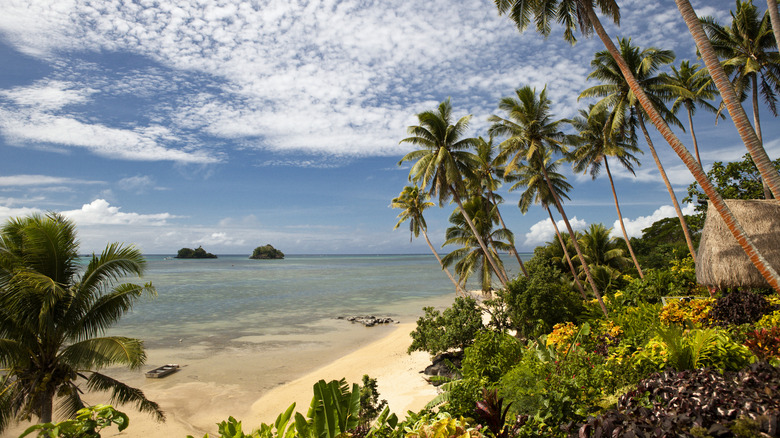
[(491, 355), (538, 302), (682, 403), (739, 307), (680, 311), (454, 329)]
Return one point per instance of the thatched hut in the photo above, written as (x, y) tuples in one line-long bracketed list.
[(721, 262)]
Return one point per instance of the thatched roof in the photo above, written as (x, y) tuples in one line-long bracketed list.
[(721, 262)]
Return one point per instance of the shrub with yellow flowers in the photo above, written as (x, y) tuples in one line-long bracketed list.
[(562, 334), (693, 310)]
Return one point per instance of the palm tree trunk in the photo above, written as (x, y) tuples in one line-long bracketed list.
[(574, 241), (47, 405), (757, 125), (746, 132), (501, 219), (680, 215), (693, 135), (566, 253), (478, 237), (766, 270), (774, 16), (458, 289), (620, 218)]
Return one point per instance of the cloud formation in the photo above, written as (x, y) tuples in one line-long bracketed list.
[(543, 231), (634, 227)]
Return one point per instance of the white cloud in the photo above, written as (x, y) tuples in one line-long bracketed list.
[(634, 227), (48, 95), (543, 231), (40, 180), (137, 184), (100, 212)]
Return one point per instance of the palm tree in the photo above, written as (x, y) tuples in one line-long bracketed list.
[(532, 134), (692, 87), (749, 138), (443, 161), (414, 202), (602, 253), (537, 191), (747, 51), (771, 9), (470, 258), (626, 113), (594, 146), (571, 14), (52, 320), (487, 179)]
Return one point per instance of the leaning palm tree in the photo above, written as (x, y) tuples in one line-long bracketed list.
[(537, 191), (443, 161), (487, 179), (414, 202), (581, 13), (532, 134), (594, 145), (691, 87), (470, 258), (749, 52), (53, 319), (771, 9), (626, 113)]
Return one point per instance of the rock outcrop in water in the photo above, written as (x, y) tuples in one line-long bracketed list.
[(266, 252), (368, 321), (197, 253)]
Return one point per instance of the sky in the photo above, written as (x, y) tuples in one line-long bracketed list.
[(233, 124)]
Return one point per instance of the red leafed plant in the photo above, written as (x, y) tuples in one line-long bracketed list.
[(764, 343)]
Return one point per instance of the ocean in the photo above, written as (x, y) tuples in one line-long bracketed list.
[(226, 301)]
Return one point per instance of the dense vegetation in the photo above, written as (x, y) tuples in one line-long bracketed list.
[(197, 253), (266, 252)]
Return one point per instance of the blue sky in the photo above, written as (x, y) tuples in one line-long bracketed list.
[(232, 124)]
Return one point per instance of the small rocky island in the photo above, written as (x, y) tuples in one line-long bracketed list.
[(197, 253), (266, 252)]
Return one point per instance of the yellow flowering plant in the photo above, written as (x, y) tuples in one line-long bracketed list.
[(693, 310)]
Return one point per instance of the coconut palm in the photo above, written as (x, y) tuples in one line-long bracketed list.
[(749, 138), (602, 253), (774, 15), (470, 258), (444, 160), (487, 179), (414, 202), (691, 87), (594, 145), (626, 113), (532, 134), (537, 191), (572, 13), (52, 320), (749, 52)]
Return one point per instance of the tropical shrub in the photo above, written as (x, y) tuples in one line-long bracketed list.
[(537, 302), (692, 403), (493, 413), (682, 310), (742, 306), (442, 426), (491, 355), (87, 424), (370, 406), (455, 328), (764, 343)]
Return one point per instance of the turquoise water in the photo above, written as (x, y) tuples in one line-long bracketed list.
[(214, 301)]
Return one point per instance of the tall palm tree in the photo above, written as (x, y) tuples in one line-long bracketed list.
[(532, 134), (444, 160), (573, 13), (690, 86), (626, 113), (749, 138), (594, 145), (52, 320), (414, 202), (749, 52), (487, 179), (537, 191), (774, 15), (470, 258), (602, 253)]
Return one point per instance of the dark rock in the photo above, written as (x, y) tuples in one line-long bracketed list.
[(368, 321), (445, 365)]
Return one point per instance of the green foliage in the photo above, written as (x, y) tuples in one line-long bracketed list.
[(537, 302), (370, 406), (87, 424), (678, 279), (734, 180), (442, 426), (664, 241), (491, 355), (266, 252), (197, 253), (455, 328)]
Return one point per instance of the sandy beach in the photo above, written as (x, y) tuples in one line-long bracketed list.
[(208, 389)]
